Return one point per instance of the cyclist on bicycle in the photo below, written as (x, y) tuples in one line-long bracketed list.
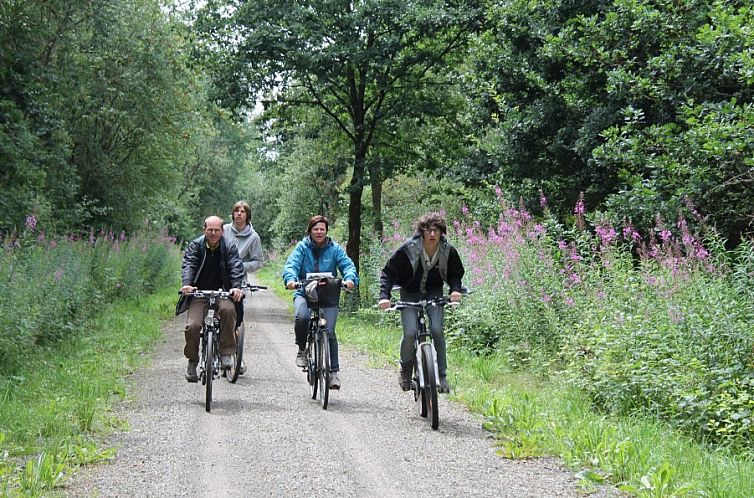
[(317, 253), (249, 247), (420, 266), (210, 263)]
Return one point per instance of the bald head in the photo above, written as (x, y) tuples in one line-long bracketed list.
[(213, 230)]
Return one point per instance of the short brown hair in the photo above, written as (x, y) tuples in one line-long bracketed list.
[(317, 219), (245, 206), (431, 220)]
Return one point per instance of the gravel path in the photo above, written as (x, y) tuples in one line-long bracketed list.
[(266, 437)]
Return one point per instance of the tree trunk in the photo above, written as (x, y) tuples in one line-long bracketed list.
[(379, 228), (353, 246)]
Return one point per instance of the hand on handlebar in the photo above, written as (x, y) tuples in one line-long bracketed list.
[(455, 297), (349, 284), (291, 284), (188, 289), (236, 294), (384, 304)]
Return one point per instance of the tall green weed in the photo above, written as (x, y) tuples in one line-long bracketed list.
[(48, 286)]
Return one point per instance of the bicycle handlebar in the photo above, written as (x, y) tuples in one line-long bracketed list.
[(422, 304), (304, 282), (224, 294)]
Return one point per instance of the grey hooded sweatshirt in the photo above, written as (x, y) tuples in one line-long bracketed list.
[(249, 245)]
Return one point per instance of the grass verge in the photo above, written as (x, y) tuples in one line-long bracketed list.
[(534, 417), (53, 410)]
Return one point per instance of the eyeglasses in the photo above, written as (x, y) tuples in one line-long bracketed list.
[(432, 230)]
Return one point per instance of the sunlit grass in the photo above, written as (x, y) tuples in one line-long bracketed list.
[(532, 416), (51, 411)]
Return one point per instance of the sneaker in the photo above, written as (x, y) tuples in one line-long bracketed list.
[(191, 372), (405, 378), (334, 380), (227, 361), (444, 387), (301, 360), (242, 370)]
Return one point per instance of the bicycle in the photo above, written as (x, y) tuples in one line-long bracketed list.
[(322, 290), (210, 367), (426, 379), (236, 370)]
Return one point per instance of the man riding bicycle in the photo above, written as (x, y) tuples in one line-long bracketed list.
[(210, 263), (420, 266)]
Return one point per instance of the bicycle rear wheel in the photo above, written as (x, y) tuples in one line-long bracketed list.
[(430, 386), (209, 355), (323, 367), (235, 370)]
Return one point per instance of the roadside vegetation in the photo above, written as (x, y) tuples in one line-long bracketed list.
[(79, 314), (626, 355)]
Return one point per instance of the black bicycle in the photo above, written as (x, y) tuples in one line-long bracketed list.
[(210, 364), (426, 380), (238, 368), (321, 290)]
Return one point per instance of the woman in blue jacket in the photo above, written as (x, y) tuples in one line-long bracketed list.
[(317, 253)]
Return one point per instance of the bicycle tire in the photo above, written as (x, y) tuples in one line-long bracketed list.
[(430, 387), (235, 370), (323, 368), (209, 354), (419, 392), (311, 357)]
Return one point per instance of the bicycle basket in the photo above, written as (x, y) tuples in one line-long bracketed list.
[(323, 293)]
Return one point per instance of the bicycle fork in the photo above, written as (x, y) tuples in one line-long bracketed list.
[(420, 347)]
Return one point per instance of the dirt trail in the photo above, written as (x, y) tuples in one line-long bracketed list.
[(266, 437)]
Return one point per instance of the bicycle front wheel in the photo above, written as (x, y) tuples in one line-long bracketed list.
[(312, 353), (430, 386), (323, 367), (209, 354), (235, 370)]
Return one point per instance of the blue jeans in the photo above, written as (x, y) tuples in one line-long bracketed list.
[(410, 322), (301, 317)]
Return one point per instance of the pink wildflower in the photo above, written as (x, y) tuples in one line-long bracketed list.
[(31, 222)]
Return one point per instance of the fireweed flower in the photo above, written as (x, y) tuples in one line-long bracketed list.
[(31, 222), (606, 234), (579, 209), (542, 200)]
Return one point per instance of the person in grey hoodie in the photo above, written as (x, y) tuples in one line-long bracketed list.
[(246, 238), (249, 247)]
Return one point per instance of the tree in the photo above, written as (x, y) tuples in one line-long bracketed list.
[(357, 62)]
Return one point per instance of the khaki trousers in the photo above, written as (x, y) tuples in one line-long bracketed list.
[(195, 318)]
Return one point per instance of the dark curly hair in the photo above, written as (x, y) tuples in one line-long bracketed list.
[(431, 220)]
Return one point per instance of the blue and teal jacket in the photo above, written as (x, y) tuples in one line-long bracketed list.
[(308, 258)]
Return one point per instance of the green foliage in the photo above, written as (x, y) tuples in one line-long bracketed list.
[(60, 397), (50, 286), (637, 103)]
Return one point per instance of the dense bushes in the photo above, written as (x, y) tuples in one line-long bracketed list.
[(48, 286), (659, 324)]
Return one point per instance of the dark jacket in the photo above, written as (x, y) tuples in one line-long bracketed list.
[(231, 267), (404, 268)]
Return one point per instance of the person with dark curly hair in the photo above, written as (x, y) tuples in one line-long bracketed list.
[(421, 266)]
